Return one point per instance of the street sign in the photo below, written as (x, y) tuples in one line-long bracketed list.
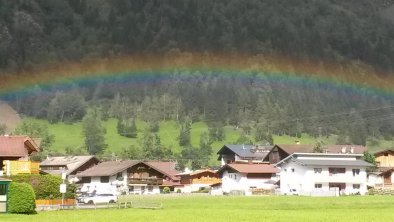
[(63, 188)]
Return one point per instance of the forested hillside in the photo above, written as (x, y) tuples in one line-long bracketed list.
[(361, 33), (39, 31)]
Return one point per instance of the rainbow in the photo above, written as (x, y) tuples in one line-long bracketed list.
[(143, 69)]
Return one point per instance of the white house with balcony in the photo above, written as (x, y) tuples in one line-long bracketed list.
[(323, 174), (243, 178)]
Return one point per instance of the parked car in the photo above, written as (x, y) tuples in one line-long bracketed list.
[(100, 198)]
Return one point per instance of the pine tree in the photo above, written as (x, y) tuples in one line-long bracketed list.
[(94, 132)]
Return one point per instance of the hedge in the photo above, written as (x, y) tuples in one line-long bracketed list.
[(21, 198), (46, 186)]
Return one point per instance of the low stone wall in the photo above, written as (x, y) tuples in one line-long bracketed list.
[(381, 191)]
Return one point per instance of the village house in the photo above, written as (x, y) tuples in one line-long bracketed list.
[(71, 165), (282, 151), (129, 177), (191, 181), (243, 178), (383, 175), (15, 154), (323, 174), (231, 153)]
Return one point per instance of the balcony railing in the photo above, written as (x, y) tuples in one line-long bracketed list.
[(206, 180), (21, 167), (146, 180)]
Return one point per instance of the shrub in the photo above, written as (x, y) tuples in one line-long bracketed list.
[(166, 190), (21, 199), (45, 186), (178, 190)]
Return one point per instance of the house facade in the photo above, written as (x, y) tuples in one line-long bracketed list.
[(191, 181), (15, 154), (4, 186), (323, 174), (128, 177), (244, 178), (383, 175), (231, 153)]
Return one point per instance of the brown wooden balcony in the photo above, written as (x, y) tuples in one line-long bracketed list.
[(146, 180)]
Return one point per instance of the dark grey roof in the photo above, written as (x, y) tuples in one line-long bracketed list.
[(334, 162), (246, 151)]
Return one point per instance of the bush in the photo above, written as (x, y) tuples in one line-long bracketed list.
[(21, 198), (178, 191), (45, 186), (166, 190)]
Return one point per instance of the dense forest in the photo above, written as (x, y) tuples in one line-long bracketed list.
[(34, 32), (39, 31)]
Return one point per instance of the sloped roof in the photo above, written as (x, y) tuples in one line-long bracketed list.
[(308, 148), (384, 151), (245, 151), (108, 168), (113, 167), (322, 162), (166, 168), (71, 162), (17, 146), (249, 168), (326, 159)]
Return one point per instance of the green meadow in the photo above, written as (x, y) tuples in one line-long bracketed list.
[(226, 208), (70, 136)]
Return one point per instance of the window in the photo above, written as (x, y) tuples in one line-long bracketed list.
[(119, 176), (318, 185), (104, 179), (356, 186), (317, 171), (235, 177), (334, 171), (292, 170), (131, 188), (86, 179), (356, 172), (285, 170), (3, 189), (150, 188)]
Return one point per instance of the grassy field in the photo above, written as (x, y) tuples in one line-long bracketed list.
[(70, 135), (223, 208)]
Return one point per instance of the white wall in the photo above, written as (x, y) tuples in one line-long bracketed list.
[(302, 181), (240, 182)]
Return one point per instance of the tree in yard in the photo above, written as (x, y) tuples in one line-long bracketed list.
[(318, 148), (127, 128), (184, 132), (370, 158), (93, 132), (205, 148)]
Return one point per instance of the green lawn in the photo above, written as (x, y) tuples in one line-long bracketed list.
[(224, 208)]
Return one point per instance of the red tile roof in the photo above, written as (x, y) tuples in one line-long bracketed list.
[(250, 168), (17, 146)]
